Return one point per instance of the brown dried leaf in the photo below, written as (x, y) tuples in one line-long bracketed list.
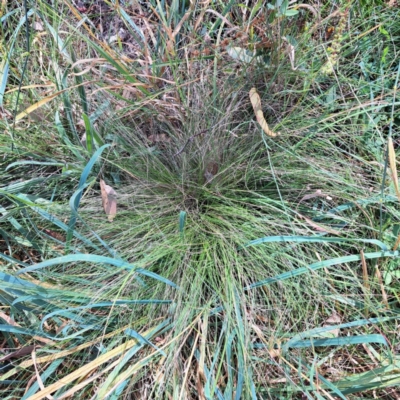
[(157, 138), (210, 172), (38, 26), (109, 200), (320, 228), (256, 103), (334, 319), (393, 169)]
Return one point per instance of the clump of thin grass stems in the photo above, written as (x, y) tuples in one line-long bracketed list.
[(238, 265)]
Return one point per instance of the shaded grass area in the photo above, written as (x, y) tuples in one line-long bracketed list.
[(238, 265)]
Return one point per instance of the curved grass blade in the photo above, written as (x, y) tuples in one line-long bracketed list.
[(377, 378), (17, 163), (12, 260), (339, 341), (21, 186), (311, 239), (4, 70), (119, 67), (321, 264), (363, 202), (92, 137), (318, 331), (19, 330), (96, 259)]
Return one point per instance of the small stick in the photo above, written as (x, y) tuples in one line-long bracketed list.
[(365, 271), (189, 140), (384, 295)]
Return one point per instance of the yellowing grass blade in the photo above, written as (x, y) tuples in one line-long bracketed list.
[(35, 106), (45, 100), (86, 369), (256, 103), (392, 163)]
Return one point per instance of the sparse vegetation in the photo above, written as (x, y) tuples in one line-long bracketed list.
[(254, 250)]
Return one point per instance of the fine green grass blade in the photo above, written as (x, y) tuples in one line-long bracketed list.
[(182, 220), (316, 239), (92, 136), (89, 133), (26, 162), (321, 264), (340, 341)]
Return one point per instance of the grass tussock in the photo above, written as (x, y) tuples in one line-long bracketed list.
[(253, 253)]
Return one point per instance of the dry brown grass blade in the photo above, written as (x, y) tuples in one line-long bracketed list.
[(396, 245), (318, 227), (256, 103), (203, 325), (393, 169), (384, 295), (308, 7), (365, 270), (201, 16), (188, 362), (48, 85)]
